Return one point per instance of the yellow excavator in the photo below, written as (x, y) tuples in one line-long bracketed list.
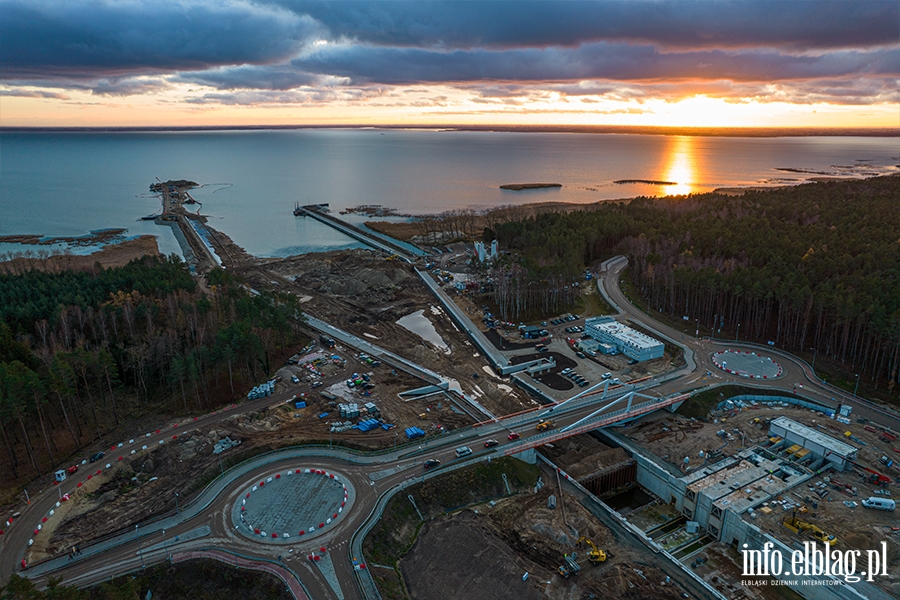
[(595, 555), (798, 526)]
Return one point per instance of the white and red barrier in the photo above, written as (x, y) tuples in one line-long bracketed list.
[(291, 472)]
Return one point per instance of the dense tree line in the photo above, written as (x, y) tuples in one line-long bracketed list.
[(81, 352), (810, 267)]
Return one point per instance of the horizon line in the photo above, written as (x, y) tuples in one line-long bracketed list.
[(731, 131)]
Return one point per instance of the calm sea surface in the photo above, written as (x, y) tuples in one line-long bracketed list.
[(67, 184)]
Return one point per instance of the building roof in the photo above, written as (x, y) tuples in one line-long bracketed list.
[(626, 335), (826, 441)]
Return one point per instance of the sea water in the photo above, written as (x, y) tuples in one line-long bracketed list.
[(67, 184)]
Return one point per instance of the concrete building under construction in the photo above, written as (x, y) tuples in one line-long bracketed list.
[(789, 434)]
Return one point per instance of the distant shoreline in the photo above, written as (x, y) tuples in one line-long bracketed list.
[(598, 129)]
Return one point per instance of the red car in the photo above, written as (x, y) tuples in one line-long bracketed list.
[(513, 435), (72, 470)]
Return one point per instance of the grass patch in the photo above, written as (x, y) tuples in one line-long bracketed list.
[(397, 530), (699, 405)]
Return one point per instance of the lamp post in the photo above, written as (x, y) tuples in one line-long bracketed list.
[(856, 389), (815, 354), (165, 546), (177, 509), (738, 333)]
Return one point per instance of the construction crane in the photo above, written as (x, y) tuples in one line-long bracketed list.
[(798, 526), (595, 555)]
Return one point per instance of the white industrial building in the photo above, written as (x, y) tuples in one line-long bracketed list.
[(840, 454), (629, 342)]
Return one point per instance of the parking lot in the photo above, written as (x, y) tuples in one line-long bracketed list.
[(563, 332)]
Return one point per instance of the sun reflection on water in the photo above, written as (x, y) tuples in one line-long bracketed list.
[(681, 170)]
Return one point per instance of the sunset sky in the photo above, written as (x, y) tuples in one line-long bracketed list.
[(783, 63)]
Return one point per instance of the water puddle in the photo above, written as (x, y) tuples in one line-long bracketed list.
[(419, 324)]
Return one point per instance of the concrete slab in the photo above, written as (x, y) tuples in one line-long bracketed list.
[(747, 364), (291, 505)]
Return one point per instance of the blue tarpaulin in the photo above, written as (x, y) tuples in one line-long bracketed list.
[(414, 432)]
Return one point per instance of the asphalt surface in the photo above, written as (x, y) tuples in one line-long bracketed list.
[(370, 476)]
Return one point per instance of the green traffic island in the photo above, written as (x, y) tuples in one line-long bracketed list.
[(699, 405), (518, 187)]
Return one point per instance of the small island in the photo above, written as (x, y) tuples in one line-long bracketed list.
[(647, 181), (518, 187)]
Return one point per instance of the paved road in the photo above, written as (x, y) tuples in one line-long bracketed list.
[(796, 373), (371, 476)]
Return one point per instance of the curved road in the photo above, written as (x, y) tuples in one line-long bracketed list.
[(371, 476), (797, 374)]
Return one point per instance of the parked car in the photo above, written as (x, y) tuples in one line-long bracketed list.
[(317, 384), (580, 354)]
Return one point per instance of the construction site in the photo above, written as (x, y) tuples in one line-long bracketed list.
[(623, 511), (369, 295), (740, 476)]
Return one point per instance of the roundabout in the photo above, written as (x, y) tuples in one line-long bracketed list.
[(291, 505), (747, 364)]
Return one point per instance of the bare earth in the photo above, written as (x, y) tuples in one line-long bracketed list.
[(484, 554)]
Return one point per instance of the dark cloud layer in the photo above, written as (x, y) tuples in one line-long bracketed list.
[(285, 51), (609, 61), (797, 25), (107, 39)]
